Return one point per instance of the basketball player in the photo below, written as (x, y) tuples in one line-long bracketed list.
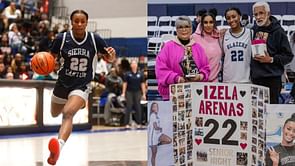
[(283, 154), (237, 49), (77, 52)]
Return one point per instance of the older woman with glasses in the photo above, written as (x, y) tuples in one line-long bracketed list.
[(181, 60)]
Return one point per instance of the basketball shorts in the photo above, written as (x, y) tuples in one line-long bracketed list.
[(61, 94)]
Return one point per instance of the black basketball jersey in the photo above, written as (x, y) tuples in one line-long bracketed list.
[(78, 59)]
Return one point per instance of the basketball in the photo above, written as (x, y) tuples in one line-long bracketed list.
[(43, 63)]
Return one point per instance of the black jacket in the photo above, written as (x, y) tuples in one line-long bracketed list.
[(278, 47)]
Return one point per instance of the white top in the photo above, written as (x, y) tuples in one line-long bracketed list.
[(101, 67), (237, 52)]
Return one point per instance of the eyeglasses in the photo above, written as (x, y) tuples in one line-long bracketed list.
[(183, 27)]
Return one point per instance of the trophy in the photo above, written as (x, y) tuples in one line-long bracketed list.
[(188, 64)]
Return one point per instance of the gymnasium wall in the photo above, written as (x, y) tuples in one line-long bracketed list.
[(188, 7)]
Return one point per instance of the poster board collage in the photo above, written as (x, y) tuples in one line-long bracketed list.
[(215, 125)]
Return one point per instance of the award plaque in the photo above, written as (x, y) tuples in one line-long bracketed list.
[(188, 64)]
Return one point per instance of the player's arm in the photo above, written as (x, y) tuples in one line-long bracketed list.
[(56, 45), (108, 53)]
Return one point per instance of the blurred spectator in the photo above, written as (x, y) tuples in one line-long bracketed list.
[(124, 67), (23, 72), (245, 21), (15, 39), (9, 76), (2, 71), (4, 46), (197, 20), (42, 29), (113, 86), (2, 25), (44, 20), (101, 71), (46, 41), (66, 28), (1, 58), (133, 90), (141, 62), (11, 14), (8, 59), (16, 62)]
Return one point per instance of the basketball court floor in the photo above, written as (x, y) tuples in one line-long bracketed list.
[(108, 147)]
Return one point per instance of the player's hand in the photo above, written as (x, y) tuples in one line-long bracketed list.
[(274, 156), (111, 54)]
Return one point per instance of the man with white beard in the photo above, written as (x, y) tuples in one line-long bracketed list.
[(267, 69)]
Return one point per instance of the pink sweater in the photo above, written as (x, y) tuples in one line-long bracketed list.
[(210, 43), (168, 69)]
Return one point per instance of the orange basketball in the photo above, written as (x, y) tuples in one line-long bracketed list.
[(43, 63)]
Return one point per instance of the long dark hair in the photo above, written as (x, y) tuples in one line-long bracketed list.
[(153, 103), (78, 11), (291, 119), (213, 14)]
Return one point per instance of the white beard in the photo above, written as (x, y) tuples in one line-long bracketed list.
[(262, 23)]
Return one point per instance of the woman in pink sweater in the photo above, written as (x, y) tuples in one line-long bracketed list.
[(207, 36), (168, 68)]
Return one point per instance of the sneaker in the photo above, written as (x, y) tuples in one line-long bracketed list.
[(292, 101), (127, 126), (53, 147)]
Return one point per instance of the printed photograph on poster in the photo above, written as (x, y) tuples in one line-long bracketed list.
[(160, 134), (280, 136)]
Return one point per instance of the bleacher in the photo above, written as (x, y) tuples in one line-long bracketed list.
[(162, 28)]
